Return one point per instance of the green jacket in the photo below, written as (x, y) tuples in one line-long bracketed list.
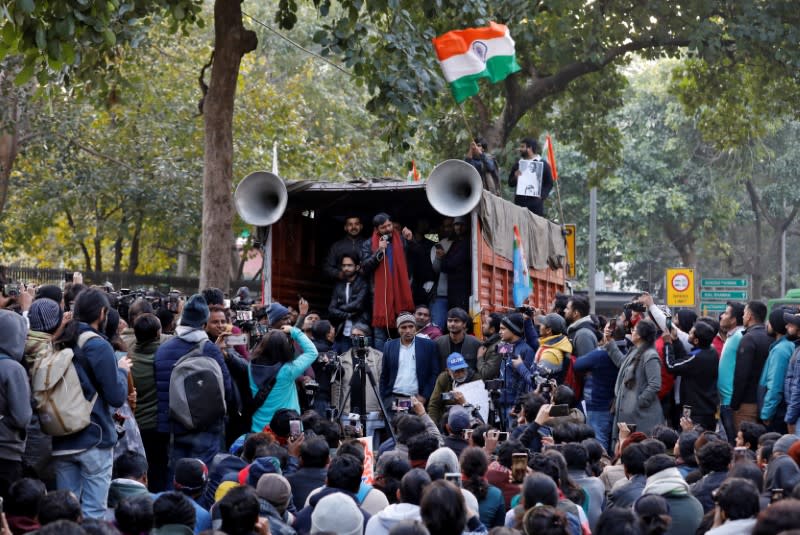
[(437, 406), (144, 379)]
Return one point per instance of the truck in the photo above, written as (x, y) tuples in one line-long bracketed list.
[(312, 214)]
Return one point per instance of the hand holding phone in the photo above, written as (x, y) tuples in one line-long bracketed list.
[(519, 467)]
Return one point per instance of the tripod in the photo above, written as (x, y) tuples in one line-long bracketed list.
[(364, 372)]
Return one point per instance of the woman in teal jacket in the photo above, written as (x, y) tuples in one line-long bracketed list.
[(274, 357)]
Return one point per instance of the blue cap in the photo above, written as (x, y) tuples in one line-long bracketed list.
[(456, 362)]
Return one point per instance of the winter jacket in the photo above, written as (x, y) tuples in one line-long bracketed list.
[(444, 383), (638, 403), (791, 386), (302, 522), (278, 523), (734, 527), (727, 365), (457, 264), (165, 358), (488, 367), (144, 377), (222, 465), (709, 483), (469, 350), (626, 494), (356, 309), (339, 388), (322, 371), (750, 359), (492, 508), (599, 381), (698, 371), (304, 481), (773, 375), (427, 367), (384, 521), (583, 336), (685, 510), (15, 391), (284, 393), (347, 245), (98, 372), (552, 352), (595, 493), (517, 380)]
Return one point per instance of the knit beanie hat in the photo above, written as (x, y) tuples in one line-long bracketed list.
[(276, 490), (783, 444), (514, 322), (195, 312), (337, 513), (45, 315), (276, 312), (446, 457), (250, 474)]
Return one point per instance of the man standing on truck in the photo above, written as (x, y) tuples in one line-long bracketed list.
[(350, 245), (531, 177), (383, 260)]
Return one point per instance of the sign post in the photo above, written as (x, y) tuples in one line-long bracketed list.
[(570, 239), (680, 287)]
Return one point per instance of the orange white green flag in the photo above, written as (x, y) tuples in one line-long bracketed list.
[(474, 53), (550, 156)]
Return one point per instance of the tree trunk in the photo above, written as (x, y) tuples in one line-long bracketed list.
[(118, 255), (231, 42), (755, 265), (133, 257), (8, 152)]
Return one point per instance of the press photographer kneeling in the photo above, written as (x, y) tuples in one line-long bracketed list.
[(457, 373)]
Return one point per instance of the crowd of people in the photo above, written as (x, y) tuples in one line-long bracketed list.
[(644, 423)]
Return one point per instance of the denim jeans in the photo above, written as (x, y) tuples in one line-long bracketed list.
[(203, 446), (88, 476), (439, 312), (601, 422)]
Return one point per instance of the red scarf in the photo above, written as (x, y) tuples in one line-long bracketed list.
[(392, 288)]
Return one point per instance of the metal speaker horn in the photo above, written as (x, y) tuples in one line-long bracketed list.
[(260, 198), (454, 188)]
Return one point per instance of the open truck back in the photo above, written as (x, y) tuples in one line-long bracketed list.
[(314, 217)]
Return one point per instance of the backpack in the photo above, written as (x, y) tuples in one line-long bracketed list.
[(196, 390), (57, 393)]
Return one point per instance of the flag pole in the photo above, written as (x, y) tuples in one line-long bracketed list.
[(464, 117)]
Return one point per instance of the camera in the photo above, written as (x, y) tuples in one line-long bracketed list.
[(528, 311), (635, 307), (447, 396), (330, 360), (494, 384)]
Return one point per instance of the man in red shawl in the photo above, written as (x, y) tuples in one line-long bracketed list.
[(383, 256)]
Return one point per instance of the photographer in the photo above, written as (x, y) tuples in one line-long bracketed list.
[(360, 336), (322, 334), (457, 373)]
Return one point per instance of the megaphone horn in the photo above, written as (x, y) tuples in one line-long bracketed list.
[(261, 198), (454, 188)]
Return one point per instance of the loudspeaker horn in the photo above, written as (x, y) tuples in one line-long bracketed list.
[(454, 188), (261, 198)]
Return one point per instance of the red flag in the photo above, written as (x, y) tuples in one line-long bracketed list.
[(550, 156)]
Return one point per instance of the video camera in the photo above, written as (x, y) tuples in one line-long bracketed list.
[(528, 311), (635, 307)]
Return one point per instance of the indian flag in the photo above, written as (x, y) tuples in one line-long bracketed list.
[(467, 55)]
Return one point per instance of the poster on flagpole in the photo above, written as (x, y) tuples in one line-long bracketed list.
[(529, 182)]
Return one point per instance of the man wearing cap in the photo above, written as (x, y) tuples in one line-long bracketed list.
[(191, 478), (457, 264), (772, 405), (554, 346), (458, 341), (791, 384), (518, 359), (457, 373), (383, 261), (410, 364), (198, 444), (44, 318), (274, 496)]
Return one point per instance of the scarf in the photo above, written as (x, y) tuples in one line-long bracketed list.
[(665, 482), (392, 288)]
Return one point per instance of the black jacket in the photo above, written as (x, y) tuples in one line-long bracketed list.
[(357, 309), (698, 372), (547, 178), (346, 245), (457, 263), (750, 358)]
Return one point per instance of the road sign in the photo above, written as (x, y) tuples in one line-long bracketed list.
[(726, 295), (724, 283), (680, 287), (570, 237), (706, 307)]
